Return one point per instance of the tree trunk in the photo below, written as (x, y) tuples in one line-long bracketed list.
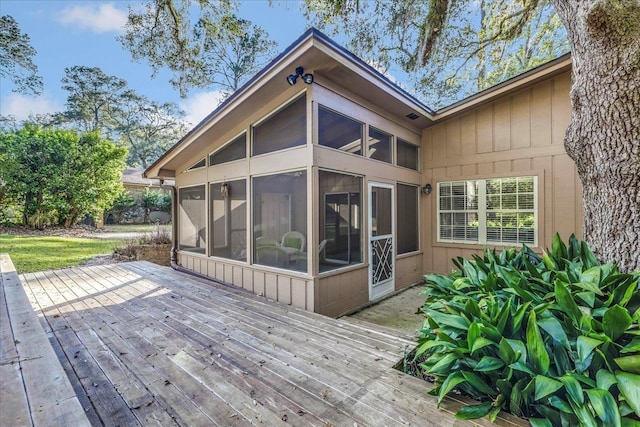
[(603, 137)]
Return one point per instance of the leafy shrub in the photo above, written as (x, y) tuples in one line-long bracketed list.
[(554, 337)]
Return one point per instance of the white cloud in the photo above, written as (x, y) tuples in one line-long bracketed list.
[(99, 18), (200, 105), (22, 106)]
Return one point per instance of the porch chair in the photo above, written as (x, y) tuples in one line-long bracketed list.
[(294, 240)]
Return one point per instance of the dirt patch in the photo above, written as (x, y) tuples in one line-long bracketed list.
[(75, 231)]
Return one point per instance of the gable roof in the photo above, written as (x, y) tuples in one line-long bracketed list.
[(320, 54)]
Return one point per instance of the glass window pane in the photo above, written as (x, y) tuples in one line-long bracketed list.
[(339, 132), (286, 129), (340, 220), (381, 211), (407, 154), (407, 219), (379, 145), (229, 220), (191, 219), (235, 150), (199, 164), (280, 220)]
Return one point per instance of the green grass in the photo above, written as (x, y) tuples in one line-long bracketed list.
[(135, 228), (31, 254)]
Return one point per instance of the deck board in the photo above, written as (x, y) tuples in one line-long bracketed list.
[(146, 345)]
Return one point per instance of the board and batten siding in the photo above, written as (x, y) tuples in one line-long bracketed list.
[(517, 135)]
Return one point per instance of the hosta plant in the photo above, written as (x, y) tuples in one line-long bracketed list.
[(554, 338)]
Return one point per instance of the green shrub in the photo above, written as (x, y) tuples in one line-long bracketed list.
[(554, 337)]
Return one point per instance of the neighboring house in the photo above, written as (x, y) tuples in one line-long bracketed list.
[(336, 193), (136, 184)]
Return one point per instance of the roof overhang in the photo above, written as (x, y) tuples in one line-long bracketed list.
[(317, 54)]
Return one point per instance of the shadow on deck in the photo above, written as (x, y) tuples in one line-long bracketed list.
[(145, 345)]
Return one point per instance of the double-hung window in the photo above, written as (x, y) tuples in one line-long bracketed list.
[(488, 211)]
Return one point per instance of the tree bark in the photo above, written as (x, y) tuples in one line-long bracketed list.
[(603, 137)]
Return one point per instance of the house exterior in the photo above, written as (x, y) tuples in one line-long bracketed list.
[(322, 184), (136, 184)]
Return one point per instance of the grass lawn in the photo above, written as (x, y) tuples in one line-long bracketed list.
[(49, 252)]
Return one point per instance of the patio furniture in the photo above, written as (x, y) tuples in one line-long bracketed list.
[(293, 240)]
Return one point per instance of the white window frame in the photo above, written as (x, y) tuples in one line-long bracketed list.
[(482, 213)]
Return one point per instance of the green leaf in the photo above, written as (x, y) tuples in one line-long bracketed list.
[(588, 258), (558, 248), (588, 298), (573, 387), (590, 287), (481, 343), (552, 326), (519, 316), (633, 346), (629, 422), (535, 346), (629, 363), (478, 383), (540, 422), (556, 402), (566, 302), (605, 379), (506, 352), (443, 365), (472, 335), (615, 321), (592, 276), (519, 348), (585, 346), (522, 367), (629, 386), (473, 412), (546, 386), (488, 363), (449, 384), (443, 319), (605, 406), (583, 413)]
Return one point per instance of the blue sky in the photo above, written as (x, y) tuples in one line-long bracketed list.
[(68, 33)]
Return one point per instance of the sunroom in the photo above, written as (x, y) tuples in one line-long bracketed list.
[(305, 185)]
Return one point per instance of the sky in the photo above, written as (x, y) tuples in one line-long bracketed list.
[(74, 32)]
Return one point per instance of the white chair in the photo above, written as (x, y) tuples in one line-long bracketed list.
[(294, 240)]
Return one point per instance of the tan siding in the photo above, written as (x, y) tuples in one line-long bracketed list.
[(521, 121), (501, 128), (277, 285), (517, 135), (541, 115), (484, 130), (563, 196), (343, 292)]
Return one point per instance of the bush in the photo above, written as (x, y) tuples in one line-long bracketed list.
[(554, 337)]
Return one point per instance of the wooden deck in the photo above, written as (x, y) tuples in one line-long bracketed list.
[(146, 345)]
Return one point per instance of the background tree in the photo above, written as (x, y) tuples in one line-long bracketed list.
[(59, 176), (472, 51), (216, 49), (93, 98), (16, 58), (147, 128), (104, 103)]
